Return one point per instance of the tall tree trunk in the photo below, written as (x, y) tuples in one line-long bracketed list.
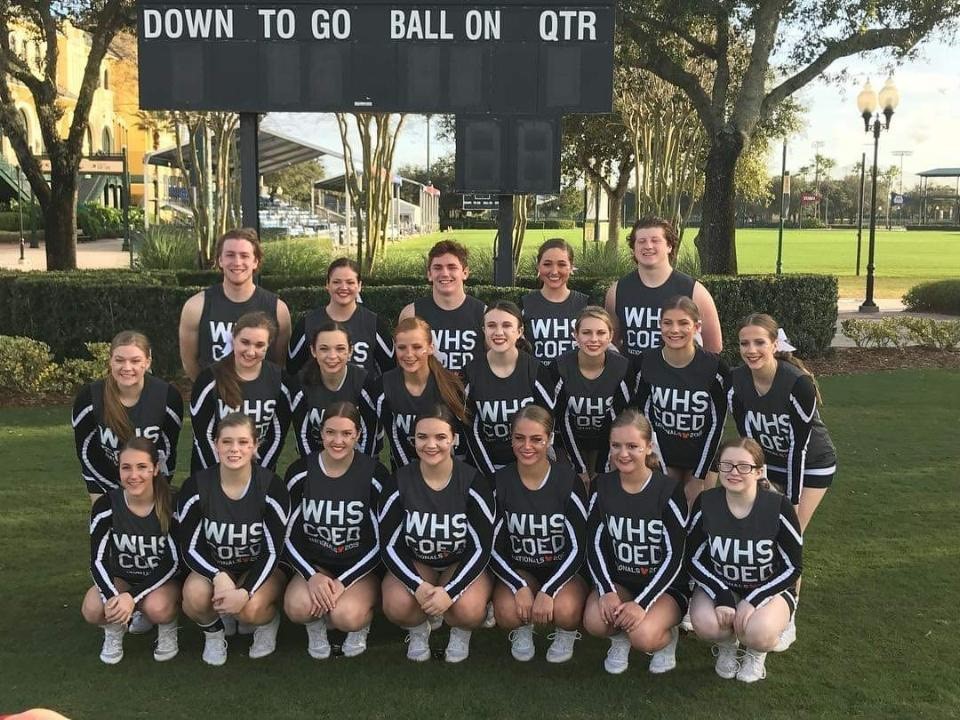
[(60, 223), (716, 241), (614, 211)]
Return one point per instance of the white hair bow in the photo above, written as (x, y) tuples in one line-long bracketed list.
[(783, 343)]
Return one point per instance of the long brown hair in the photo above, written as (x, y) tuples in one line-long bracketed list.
[(632, 417), (342, 409), (229, 383), (511, 309), (162, 497), (772, 327), (449, 384), (312, 374), (114, 413), (753, 449)]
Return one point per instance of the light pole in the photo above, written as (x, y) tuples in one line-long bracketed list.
[(868, 103)]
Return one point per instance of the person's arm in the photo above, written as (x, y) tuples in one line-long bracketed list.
[(370, 558), (575, 523), (803, 406), (272, 444), (674, 540), (698, 551), (203, 416), (596, 539), (383, 352), (709, 318), (790, 548), (278, 352), (189, 334), (300, 419), (544, 388), (566, 433), (715, 417), (408, 311), (610, 305), (98, 472), (194, 549), (370, 434), (276, 510), (480, 518), (170, 430), (396, 555), (101, 529), (478, 451), (500, 558), (295, 540), (298, 349)]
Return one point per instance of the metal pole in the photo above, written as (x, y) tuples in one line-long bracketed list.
[(428, 148), (125, 198), (249, 171), (503, 252), (869, 306), (783, 188), (34, 242), (863, 168), (20, 208), (586, 193), (596, 216)]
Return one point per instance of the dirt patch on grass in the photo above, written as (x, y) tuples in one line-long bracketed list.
[(854, 361)]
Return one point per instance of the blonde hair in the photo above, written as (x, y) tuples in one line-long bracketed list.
[(114, 413), (598, 313), (635, 419), (449, 384)]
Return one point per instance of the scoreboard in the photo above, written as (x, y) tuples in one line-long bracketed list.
[(501, 57)]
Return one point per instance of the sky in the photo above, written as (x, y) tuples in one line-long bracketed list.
[(926, 123)]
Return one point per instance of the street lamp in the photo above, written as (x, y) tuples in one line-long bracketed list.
[(868, 104)]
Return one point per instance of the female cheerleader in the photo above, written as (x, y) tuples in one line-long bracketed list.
[(244, 382), (774, 400), (128, 402), (437, 526), (682, 390), (329, 378), (746, 550), (415, 386), (233, 521), (133, 556), (636, 530), (372, 346), (500, 382), (333, 542), (538, 542), (549, 313), (635, 300), (593, 385)]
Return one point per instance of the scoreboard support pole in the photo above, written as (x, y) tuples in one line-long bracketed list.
[(503, 253), (250, 171)]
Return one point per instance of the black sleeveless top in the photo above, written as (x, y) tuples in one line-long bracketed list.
[(457, 334), (218, 316), (638, 308), (549, 325)]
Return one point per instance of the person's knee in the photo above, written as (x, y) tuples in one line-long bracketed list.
[(92, 610), (567, 612), (646, 638), (297, 605), (594, 624), (763, 639), (160, 607), (467, 612), (398, 605), (351, 616), (259, 610)]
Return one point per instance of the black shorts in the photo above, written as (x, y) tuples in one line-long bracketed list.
[(789, 596), (679, 590), (820, 478), (543, 573), (334, 569)]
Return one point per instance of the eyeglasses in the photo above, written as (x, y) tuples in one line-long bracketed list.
[(742, 468)]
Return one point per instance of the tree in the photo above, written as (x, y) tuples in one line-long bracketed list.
[(102, 19), (793, 43), (296, 180)]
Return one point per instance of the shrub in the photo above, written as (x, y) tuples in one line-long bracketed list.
[(167, 247), (25, 365), (900, 332), (296, 257), (10, 219), (942, 296)]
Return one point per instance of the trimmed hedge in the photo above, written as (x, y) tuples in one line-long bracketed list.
[(941, 296)]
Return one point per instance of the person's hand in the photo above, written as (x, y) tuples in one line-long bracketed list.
[(438, 602), (524, 602), (222, 582), (744, 612), (119, 609), (725, 616), (322, 598), (423, 593), (543, 609), (609, 604), (231, 602), (629, 616)]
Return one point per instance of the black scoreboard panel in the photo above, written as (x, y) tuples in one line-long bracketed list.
[(511, 155), (531, 57)]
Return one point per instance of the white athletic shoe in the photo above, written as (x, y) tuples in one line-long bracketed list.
[(491, 619), (618, 656), (112, 651), (788, 637), (318, 646), (665, 659), (686, 624), (356, 642), (214, 648), (727, 663), (458, 646), (752, 667), (521, 643), (265, 638), (418, 642), (561, 649), (139, 624), (229, 625), (245, 628), (167, 645), (436, 622)]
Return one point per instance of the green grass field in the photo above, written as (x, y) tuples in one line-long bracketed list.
[(903, 259), (877, 627)]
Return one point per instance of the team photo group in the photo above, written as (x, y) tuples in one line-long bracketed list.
[(555, 465)]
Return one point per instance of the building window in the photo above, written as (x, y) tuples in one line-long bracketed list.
[(88, 142), (107, 143), (106, 79)]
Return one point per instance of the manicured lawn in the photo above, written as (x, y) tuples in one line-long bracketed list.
[(878, 621), (903, 259)]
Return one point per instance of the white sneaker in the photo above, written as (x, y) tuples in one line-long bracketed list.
[(752, 667), (214, 648), (727, 663), (561, 649), (491, 619), (618, 656), (356, 642), (265, 638), (167, 645), (665, 659), (436, 621), (229, 625), (318, 646), (686, 624), (112, 651), (458, 646), (788, 637), (245, 628), (418, 642), (139, 624), (521, 643)]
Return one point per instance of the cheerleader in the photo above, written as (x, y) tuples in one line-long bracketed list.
[(538, 544), (133, 556), (128, 402), (636, 530), (415, 386), (244, 381), (329, 378), (593, 385), (746, 551), (500, 382), (333, 542), (681, 389), (233, 521), (549, 313), (437, 526)]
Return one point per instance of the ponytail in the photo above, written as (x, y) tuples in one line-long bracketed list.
[(115, 414), (772, 328), (451, 388)]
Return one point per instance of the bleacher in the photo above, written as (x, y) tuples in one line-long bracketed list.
[(290, 217)]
